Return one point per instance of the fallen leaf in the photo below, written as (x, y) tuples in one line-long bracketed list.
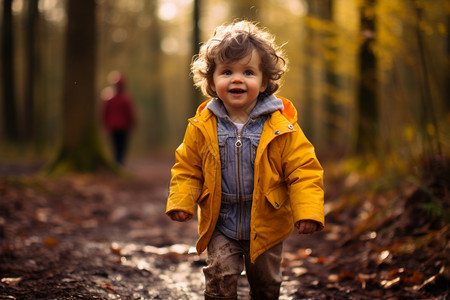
[(387, 284), (51, 241), (116, 249), (108, 287), (333, 278), (299, 271), (11, 281), (413, 277), (321, 259), (304, 253), (346, 275)]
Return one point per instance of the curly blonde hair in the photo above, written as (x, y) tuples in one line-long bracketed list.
[(234, 42)]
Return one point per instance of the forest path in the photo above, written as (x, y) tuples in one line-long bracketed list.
[(104, 237)]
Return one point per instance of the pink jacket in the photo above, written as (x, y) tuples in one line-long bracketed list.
[(118, 111)]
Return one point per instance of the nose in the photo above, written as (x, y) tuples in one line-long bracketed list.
[(237, 78)]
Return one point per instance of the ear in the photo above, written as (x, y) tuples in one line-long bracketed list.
[(263, 86), (211, 84)]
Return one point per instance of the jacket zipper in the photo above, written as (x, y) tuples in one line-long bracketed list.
[(238, 146)]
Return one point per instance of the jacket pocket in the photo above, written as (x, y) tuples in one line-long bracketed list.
[(278, 196)]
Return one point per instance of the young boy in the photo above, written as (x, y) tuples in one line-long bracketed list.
[(246, 163)]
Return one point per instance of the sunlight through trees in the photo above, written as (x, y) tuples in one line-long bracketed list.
[(328, 43)]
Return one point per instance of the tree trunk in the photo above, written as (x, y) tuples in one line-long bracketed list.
[(9, 99), (196, 95), (30, 57), (157, 136), (81, 150), (431, 141), (324, 11), (367, 133), (320, 111), (447, 73), (308, 110), (196, 40), (332, 109)]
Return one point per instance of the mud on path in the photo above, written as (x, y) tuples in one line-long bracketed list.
[(105, 237)]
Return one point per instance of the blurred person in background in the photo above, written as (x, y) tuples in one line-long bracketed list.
[(118, 114)]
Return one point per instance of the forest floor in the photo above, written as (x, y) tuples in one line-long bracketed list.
[(107, 237)]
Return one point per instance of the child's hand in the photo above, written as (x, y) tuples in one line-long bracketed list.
[(180, 216), (306, 226)]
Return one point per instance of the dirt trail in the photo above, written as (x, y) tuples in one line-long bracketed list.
[(104, 237)]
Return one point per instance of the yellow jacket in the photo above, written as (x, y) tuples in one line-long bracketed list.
[(288, 179)]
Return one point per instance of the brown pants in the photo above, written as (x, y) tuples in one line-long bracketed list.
[(226, 259)]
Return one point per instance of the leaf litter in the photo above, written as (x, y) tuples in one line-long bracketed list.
[(106, 237)]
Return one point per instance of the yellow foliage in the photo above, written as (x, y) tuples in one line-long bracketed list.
[(408, 132), (442, 29), (321, 25), (431, 130)]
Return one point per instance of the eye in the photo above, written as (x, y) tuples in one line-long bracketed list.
[(226, 72), (248, 73)]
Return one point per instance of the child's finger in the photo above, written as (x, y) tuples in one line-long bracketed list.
[(183, 215), (302, 228), (180, 216), (307, 227)]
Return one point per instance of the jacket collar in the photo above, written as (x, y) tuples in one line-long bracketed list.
[(270, 104), (279, 122), (263, 106)]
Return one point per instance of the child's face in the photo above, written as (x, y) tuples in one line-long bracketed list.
[(238, 83)]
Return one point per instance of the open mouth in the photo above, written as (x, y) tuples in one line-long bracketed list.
[(237, 91)]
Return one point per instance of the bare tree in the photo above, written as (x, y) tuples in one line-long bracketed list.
[(196, 95), (432, 143), (9, 99), (30, 58), (80, 149), (367, 133)]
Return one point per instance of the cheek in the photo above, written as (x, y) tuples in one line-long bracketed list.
[(220, 85)]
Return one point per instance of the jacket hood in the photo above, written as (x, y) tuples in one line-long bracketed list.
[(263, 106), (266, 105)]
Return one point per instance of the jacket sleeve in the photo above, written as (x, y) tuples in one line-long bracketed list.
[(304, 176), (187, 176)]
